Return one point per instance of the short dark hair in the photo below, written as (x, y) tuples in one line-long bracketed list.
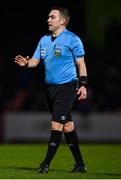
[(63, 11)]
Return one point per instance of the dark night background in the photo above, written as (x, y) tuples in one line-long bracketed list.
[(22, 25)]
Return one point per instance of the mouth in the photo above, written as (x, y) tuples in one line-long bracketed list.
[(49, 25)]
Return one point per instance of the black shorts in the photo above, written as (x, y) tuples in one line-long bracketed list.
[(60, 100)]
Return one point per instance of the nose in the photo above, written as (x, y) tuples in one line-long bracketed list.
[(48, 19)]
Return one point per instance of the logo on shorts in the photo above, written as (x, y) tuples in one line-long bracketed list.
[(52, 144), (63, 118), (57, 52)]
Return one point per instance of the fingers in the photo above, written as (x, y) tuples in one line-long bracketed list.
[(27, 57), (19, 57), (82, 96), (82, 93), (21, 60), (20, 63)]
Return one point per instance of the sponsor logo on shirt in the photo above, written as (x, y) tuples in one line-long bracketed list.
[(42, 53)]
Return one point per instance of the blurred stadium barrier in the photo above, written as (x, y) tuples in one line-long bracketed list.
[(30, 127)]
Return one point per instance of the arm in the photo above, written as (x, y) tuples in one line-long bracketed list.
[(26, 62), (82, 91)]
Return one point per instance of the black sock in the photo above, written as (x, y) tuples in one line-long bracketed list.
[(72, 141), (53, 145)]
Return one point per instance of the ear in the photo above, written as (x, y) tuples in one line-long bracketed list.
[(63, 21)]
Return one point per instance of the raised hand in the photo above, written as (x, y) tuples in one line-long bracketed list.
[(21, 61)]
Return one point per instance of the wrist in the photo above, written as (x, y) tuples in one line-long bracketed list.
[(83, 81)]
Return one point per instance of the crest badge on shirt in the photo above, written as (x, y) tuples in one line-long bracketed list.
[(57, 52)]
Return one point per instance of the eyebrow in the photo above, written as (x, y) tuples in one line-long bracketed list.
[(51, 16)]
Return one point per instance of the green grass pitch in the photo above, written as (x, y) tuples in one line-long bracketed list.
[(20, 161)]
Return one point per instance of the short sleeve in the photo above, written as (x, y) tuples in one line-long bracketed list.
[(77, 48), (36, 54)]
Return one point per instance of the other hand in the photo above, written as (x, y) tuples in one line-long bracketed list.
[(82, 93)]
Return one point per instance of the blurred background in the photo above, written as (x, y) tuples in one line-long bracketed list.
[(24, 113)]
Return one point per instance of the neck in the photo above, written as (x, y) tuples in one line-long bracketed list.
[(57, 32)]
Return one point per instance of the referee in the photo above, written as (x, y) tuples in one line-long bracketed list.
[(60, 51)]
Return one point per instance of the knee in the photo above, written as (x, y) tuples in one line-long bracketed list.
[(56, 126), (68, 127)]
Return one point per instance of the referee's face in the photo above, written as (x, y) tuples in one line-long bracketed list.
[(55, 20)]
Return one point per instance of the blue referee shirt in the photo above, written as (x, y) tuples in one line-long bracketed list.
[(59, 56)]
